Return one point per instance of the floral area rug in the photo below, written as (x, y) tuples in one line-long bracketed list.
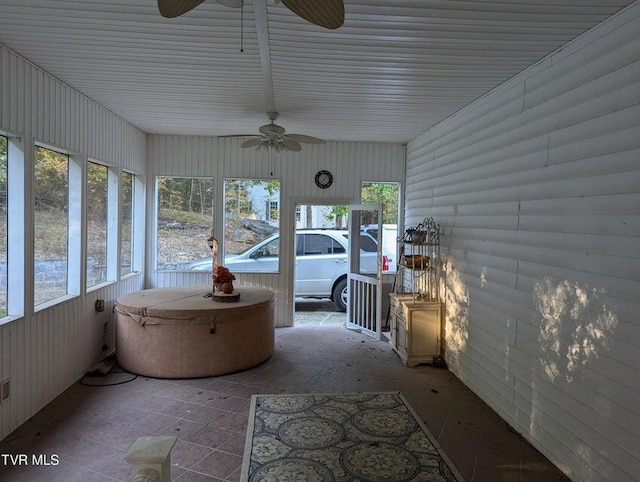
[(341, 437)]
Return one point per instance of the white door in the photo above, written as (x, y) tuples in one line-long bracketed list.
[(364, 277)]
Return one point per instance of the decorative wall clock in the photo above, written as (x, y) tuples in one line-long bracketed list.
[(324, 179)]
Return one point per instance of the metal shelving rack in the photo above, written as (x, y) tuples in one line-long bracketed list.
[(415, 308), (418, 271)]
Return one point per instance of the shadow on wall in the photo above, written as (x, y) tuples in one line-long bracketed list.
[(575, 326)]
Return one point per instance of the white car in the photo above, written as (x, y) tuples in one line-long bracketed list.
[(389, 242), (321, 262)]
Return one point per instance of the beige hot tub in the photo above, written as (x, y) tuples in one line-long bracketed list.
[(180, 333)]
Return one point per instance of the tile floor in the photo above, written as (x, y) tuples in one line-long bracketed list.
[(90, 429)]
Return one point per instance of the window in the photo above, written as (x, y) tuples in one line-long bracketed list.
[(251, 214), (184, 221), (367, 243), (273, 212), (4, 224), (314, 244), (387, 194), (126, 223), (12, 229), (101, 227), (57, 184)]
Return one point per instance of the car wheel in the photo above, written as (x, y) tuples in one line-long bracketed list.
[(340, 294)]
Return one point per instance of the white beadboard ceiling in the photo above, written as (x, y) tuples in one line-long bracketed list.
[(392, 71)]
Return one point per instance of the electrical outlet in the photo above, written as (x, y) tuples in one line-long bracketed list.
[(5, 390)]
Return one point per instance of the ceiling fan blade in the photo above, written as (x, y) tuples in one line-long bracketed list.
[(252, 142), (175, 8), (305, 139), (231, 3), (291, 145), (328, 13)]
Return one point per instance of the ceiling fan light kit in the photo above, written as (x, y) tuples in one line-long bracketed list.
[(274, 137)]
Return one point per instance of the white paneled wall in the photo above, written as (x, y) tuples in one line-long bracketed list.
[(537, 187), (350, 162), (43, 353)]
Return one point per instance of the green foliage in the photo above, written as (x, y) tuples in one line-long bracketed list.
[(272, 187), (385, 193), (126, 191), (97, 191), (338, 214), (237, 204), (186, 194), (51, 171), (50, 234), (184, 217)]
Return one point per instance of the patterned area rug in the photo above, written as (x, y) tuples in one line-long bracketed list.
[(341, 437)]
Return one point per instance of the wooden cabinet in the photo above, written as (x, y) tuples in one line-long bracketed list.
[(414, 329)]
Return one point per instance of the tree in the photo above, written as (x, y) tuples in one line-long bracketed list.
[(237, 202), (337, 214), (97, 191), (309, 216), (385, 193), (51, 171)]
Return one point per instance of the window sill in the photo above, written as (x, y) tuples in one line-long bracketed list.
[(100, 285), (5, 320), (52, 303), (129, 275)]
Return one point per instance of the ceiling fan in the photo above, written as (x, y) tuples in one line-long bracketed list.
[(326, 13), (273, 136)]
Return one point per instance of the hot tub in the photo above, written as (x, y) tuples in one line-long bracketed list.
[(181, 333)]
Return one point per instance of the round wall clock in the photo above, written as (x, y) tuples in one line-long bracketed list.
[(324, 179)]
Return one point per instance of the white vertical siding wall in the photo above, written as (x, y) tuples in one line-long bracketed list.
[(45, 352), (350, 162), (537, 186)]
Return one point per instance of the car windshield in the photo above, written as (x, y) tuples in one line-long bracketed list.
[(266, 240)]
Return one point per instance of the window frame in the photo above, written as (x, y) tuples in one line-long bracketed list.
[(136, 247), (16, 245), (155, 242), (392, 251), (111, 226), (74, 252), (260, 209)]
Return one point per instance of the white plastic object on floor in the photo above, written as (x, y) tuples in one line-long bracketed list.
[(151, 454)]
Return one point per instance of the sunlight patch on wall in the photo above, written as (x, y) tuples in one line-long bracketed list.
[(575, 325), (457, 312)]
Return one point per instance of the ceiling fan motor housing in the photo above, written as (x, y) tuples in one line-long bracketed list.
[(271, 130)]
